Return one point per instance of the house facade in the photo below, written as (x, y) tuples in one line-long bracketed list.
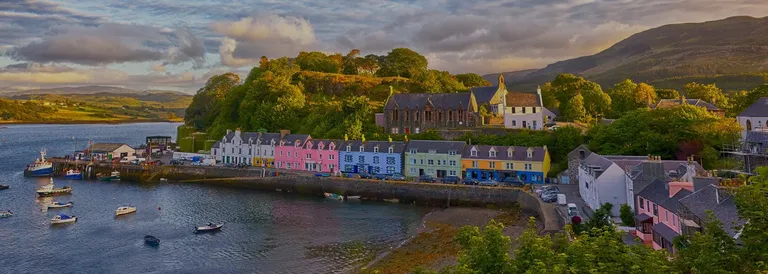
[(527, 164), (657, 220), (233, 148), (755, 117), (109, 151), (263, 149), (416, 112), (372, 157), (434, 158), (288, 151), (602, 181), (320, 155), (524, 110), (492, 97)]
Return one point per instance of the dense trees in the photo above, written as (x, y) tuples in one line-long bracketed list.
[(205, 105), (23, 111), (666, 93), (710, 93), (627, 96), (472, 80), (578, 98), (402, 62)]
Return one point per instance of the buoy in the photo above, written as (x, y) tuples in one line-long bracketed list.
[(158, 208)]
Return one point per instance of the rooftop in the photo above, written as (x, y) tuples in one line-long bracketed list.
[(520, 153), (105, 147), (368, 146), (523, 99), (444, 147), (758, 109), (719, 202), (668, 103), (461, 100)]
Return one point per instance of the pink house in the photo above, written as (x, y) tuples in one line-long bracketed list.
[(288, 152), (658, 221), (320, 155)]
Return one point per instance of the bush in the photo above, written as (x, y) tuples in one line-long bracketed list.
[(626, 215)]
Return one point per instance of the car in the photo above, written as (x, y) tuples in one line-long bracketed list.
[(549, 198), (470, 181), (366, 176), (382, 177), (489, 183), (450, 180), (177, 162), (426, 179), (135, 162), (512, 181), (397, 177), (547, 190), (572, 210), (156, 162)]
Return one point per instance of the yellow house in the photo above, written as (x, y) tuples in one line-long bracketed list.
[(526, 164)]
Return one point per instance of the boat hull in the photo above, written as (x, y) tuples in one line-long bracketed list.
[(60, 206), (110, 179), (66, 221), (152, 241), (40, 172), (74, 176), (55, 192), (202, 229), (124, 212), (4, 187)]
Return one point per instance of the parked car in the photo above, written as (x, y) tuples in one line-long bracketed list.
[(489, 183), (512, 181), (549, 198), (242, 165), (426, 179), (450, 180), (229, 165), (177, 162), (351, 175), (382, 177), (548, 189), (572, 210), (470, 181), (397, 177), (366, 176), (156, 162)]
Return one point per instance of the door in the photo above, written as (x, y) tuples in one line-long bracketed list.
[(354, 169), (524, 124), (421, 171), (407, 130)]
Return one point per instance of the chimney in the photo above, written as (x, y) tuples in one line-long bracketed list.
[(538, 93), (229, 131), (653, 170), (284, 132), (675, 187), (237, 131)]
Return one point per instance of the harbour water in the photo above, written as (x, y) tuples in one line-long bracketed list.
[(263, 233)]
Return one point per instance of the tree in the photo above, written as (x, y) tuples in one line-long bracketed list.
[(741, 100), (752, 202), (318, 61), (205, 104), (622, 97), (710, 93), (594, 101), (667, 93), (626, 215), (352, 62), (402, 62), (472, 80), (711, 252), (355, 110), (484, 251), (435, 81), (548, 96), (574, 109)]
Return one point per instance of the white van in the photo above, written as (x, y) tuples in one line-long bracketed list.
[(572, 210)]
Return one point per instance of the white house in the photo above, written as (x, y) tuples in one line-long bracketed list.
[(109, 151), (603, 181), (252, 148), (755, 117), (524, 110)]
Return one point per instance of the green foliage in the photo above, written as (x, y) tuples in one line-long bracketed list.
[(548, 96), (601, 219), (23, 111), (484, 251), (402, 62), (667, 93), (711, 252), (435, 81), (741, 100), (579, 99), (627, 96), (318, 61), (472, 80), (627, 215), (752, 202), (205, 105), (710, 93)]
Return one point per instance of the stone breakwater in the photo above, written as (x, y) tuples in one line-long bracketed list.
[(427, 194)]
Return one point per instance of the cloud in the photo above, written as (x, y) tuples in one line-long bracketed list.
[(250, 38)]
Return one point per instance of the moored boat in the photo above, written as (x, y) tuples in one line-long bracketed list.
[(4, 187), (40, 168), (49, 190), (114, 176), (151, 240), (356, 197), (73, 174), (63, 219), (59, 204), (5, 214), (333, 196), (124, 210), (208, 228)]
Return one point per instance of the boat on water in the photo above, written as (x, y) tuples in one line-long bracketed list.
[(74, 174), (6, 214), (50, 190), (63, 219), (114, 176), (124, 210), (40, 168), (333, 196), (208, 228), (151, 240), (4, 187), (356, 197), (60, 204), (393, 200)]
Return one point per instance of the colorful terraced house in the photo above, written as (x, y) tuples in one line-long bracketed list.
[(320, 155), (434, 158), (372, 157), (527, 164), (288, 151)]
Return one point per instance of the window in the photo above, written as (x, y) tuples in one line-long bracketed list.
[(474, 164), (348, 158), (450, 115), (395, 130), (391, 150), (452, 152), (257, 152), (439, 116), (289, 154), (348, 168), (377, 170), (390, 170), (534, 109), (641, 202), (390, 160), (271, 153), (412, 151), (413, 161), (362, 148), (281, 153), (453, 163), (523, 110), (331, 157), (361, 159), (528, 167), (530, 154), (349, 148), (320, 156), (416, 130), (421, 161), (413, 170), (375, 159), (309, 156), (655, 210), (493, 164), (510, 166), (289, 165), (473, 153), (306, 166), (375, 149), (415, 115), (451, 173), (492, 153), (648, 204), (432, 151), (514, 123), (394, 115), (439, 162), (233, 150), (430, 162), (666, 215), (428, 115), (331, 167)]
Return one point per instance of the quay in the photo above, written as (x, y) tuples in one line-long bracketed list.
[(305, 183)]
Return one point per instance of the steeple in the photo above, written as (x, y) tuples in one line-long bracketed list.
[(501, 79)]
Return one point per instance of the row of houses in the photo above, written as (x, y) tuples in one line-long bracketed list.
[(412, 159), (670, 197)]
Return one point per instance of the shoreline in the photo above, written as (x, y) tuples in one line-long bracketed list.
[(87, 122)]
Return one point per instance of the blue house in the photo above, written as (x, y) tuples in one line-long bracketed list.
[(372, 157)]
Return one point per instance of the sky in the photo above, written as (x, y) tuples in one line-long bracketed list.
[(178, 45)]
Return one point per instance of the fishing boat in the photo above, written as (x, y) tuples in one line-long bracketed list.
[(356, 197), (40, 168), (124, 210), (6, 214), (393, 200), (49, 190), (333, 196), (59, 204), (63, 219), (4, 187), (114, 176), (74, 174), (208, 228), (151, 240)]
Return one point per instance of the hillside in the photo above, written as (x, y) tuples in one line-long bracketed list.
[(90, 90), (732, 52)]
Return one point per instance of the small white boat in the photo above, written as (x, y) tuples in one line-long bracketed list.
[(59, 205), (333, 196), (208, 228), (5, 214), (393, 200), (124, 210), (353, 197), (49, 190), (63, 219)]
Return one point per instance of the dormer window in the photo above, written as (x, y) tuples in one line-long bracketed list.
[(362, 148), (492, 154), (413, 151), (432, 151), (530, 154), (452, 152), (349, 148), (391, 150), (331, 146), (376, 149), (473, 152)]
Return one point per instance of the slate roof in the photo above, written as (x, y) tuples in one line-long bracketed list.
[(656, 192), (217, 145), (523, 99), (326, 142), (291, 138), (105, 147), (551, 112), (643, 217), (266, 138), (758, 109), (230, 135), (598, 160), (442, 147), (665, 231), (520, 153), (483, 95), (438, 100), (719, 202), (368, 146), (668, 103), (757, 137)]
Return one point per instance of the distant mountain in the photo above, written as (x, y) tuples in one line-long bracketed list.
[(732, 52), (90, 90), (511, 76)]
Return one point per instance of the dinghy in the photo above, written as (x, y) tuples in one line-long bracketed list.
[(124, 210), (151, 240), (63, 219), (333, 196), (59, 204), (208, 228)]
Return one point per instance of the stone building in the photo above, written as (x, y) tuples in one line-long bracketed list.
[(416, 112)]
